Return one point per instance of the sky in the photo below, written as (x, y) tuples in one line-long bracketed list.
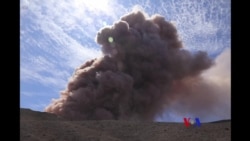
[(57, 36)]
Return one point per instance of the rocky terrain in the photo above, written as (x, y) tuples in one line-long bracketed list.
[(41, 126)]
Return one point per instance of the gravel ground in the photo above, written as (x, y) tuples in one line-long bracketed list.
[(40, 126)]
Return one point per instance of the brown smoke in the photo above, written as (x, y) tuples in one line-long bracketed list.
[(142, 70), (206, 96)]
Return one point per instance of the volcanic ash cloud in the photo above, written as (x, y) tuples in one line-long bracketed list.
[(142, 65), (206, 96)]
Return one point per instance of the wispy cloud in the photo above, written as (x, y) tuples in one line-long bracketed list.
[(203, 25), (38, 106), (47, 42), (28, 94), (56, 37)]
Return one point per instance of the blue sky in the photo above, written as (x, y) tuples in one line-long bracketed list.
[(57, 36)]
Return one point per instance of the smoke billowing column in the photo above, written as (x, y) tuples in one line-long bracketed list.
[(143, 61)]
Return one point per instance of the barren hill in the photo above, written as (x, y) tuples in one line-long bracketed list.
[(41, 126)]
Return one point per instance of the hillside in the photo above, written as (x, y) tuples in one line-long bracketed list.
[(41, 126)]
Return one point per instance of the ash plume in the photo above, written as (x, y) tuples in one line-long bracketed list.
[(144, 69), (206, 96)]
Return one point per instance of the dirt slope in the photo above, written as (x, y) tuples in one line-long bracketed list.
[(40, 126)]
